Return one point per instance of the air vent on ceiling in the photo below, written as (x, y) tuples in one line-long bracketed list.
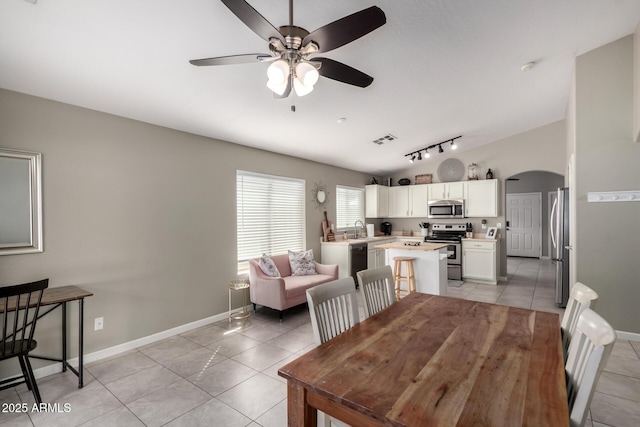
[(387, 138)]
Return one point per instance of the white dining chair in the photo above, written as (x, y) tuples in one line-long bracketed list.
[(333, 307), (589, 350), (581, 297), (378, 289)]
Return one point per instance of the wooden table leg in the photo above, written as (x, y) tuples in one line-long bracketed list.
[(300, 413)]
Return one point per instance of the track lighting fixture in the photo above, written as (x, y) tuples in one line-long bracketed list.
[(412, 155)]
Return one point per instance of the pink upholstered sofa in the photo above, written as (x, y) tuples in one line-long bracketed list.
[(285, 291)]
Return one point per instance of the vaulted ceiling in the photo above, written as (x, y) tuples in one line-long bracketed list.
[(442, 68)]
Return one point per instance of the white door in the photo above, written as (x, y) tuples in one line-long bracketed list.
[(524, 231)]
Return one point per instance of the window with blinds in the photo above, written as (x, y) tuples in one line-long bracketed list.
[(349, 206), (270, 215)]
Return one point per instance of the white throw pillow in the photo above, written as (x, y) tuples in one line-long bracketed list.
[(302, 263), (268, 267)]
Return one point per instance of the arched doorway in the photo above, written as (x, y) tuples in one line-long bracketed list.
[(527, 210)]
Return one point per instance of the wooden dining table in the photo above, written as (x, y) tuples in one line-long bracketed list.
[(431, 360)]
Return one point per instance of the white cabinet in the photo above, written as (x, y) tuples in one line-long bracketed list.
[(398, 202), (419, 206), (481, 198), (480, 261), (446, 190), (376, 201), (408, 201), (377, 257)]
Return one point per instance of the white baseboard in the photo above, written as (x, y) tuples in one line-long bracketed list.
[(631, 336), (121, 348)]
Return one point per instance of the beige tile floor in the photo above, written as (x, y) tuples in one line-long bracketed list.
[(226, 375)]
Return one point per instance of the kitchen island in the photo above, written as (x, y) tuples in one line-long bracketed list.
[(430, 265)]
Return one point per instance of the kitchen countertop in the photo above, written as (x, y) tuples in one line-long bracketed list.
[(341, 241), (423, 246)]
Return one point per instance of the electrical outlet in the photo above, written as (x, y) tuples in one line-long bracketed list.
[(499, 225), (98, 323)]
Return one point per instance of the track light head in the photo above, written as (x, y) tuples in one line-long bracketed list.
[(453, 145), (420, 155), (440, 150), (412, 159)]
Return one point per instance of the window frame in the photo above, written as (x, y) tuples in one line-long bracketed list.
[(280, 233), (340, 228)]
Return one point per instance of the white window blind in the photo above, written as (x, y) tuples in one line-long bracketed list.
[(270, 215), (349, 206)]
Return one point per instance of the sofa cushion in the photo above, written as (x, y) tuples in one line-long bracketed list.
[(298, 285), (268, 267), (302, 263)]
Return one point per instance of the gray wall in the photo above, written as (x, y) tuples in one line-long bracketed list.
[(142, 216), (527, 151), (537, 182), (607, 241)]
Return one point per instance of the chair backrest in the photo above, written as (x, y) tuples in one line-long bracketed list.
[(20, 305), (589, 350), (378, 289), (333, 307), (580, 298)]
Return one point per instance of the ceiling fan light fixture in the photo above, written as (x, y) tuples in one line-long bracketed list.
[(300, 88), (278, 72), (307, 74), (277, 88)]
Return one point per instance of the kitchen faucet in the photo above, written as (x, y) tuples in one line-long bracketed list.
[(355, 228)]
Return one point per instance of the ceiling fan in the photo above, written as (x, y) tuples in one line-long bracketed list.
[(291, 49)]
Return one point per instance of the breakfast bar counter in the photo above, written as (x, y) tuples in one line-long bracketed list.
[(430, 265)]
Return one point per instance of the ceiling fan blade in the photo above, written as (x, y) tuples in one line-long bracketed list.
[(345, 30), (343, 73), (253, 19), (232, 59)]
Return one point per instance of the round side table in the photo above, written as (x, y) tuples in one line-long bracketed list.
[(239, 285)]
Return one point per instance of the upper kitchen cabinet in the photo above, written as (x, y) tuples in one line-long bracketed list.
[(446, 190), (481, 198), (376, 201), (408, 201)]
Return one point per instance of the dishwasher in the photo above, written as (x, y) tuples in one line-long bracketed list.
[(358, 255)]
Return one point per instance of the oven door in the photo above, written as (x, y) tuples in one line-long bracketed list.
[(453, 252)]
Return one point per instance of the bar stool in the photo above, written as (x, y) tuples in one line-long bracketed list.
[(410, 278)]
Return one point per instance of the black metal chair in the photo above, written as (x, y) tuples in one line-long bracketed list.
[(19, 306)]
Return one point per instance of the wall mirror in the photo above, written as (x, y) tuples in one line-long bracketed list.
[(20, 202)]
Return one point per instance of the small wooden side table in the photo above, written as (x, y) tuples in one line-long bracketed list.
[(239, 285)]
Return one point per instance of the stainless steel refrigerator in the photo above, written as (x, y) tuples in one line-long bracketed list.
[(561, 248)]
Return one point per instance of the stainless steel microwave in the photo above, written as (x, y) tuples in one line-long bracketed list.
[(446, 209)]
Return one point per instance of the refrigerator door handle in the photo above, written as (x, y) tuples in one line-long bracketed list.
[(553, 220)]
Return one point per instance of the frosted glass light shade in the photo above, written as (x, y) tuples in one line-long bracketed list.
[(306, 77), (278, 72), (307, 74), (300, 88)]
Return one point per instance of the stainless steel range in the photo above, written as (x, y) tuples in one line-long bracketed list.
[(452, 234)]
